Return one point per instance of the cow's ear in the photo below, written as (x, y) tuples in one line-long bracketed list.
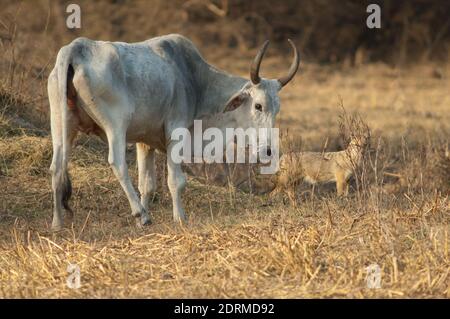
[(236, 101)]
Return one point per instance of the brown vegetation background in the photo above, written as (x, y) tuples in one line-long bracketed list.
[(238, 244), (326, 31)]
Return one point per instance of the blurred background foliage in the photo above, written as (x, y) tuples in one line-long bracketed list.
[(326, 31)]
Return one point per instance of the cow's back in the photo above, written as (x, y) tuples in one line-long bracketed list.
[(160, 80)]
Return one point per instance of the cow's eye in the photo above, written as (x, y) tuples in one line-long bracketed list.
[(258, 107)]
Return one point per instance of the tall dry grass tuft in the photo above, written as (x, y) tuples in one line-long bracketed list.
[(366, 172), (237, 243)]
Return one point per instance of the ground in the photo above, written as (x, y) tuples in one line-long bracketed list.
[(237, 244)]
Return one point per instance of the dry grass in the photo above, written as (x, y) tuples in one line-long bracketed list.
[(237, 244)]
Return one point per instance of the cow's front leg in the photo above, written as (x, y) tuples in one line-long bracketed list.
[(147, 172), (116, 158), (177, 183)]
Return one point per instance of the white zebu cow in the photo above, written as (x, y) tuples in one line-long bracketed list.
[(140, 93)]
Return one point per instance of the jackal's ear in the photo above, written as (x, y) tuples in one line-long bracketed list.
[(236, 101)]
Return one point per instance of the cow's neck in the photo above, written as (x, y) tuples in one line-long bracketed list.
[(219, 88), (219, 120)]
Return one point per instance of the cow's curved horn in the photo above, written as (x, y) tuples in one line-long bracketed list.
[(254, 69), (294, 66)]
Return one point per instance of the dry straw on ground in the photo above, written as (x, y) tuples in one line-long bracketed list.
[(237, 244)]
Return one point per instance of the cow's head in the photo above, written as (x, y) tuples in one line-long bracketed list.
[(257, 103)]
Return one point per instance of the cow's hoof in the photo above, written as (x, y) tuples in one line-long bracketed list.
[(143, 220), (146, 220), (182, 220), (69, 218), (56, 228), (136, 214)]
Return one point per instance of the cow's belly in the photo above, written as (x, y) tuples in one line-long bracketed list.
[(147, 128)]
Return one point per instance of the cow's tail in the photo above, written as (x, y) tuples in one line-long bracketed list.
[(65, 73)]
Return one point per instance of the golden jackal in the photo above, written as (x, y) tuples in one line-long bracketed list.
[(321, 167)]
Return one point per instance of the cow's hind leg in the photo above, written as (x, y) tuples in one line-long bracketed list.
[(61, 186), (116, 158), (147, 172)]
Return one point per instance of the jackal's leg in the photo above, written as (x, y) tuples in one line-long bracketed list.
[(341, 183), (346, 188), (291, 195)]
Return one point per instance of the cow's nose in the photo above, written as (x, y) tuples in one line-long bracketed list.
[(269, 152)]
